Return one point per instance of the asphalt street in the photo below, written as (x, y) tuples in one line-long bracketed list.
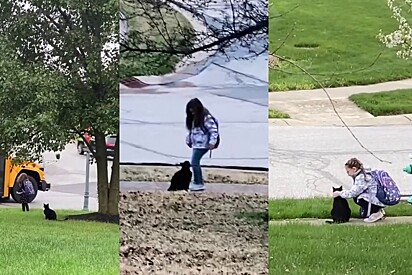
[(308, 161), (153, 131)]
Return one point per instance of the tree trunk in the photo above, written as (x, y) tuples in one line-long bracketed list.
[(113, 199), (102, 177)]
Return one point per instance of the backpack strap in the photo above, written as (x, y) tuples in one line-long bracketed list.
[(205, 130)]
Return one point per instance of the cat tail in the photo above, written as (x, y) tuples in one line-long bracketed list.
[(61, 220), (330, 222)]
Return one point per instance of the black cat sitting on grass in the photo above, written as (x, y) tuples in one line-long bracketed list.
[(49, 214), (340, 211)]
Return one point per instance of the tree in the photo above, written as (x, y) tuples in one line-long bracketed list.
[(402, 37), (161, 41), (59, 76)]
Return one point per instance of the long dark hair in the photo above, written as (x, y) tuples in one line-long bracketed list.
[(195, 114)]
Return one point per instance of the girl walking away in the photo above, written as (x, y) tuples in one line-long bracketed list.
[(203, 136), (25, 190), (363, 191)]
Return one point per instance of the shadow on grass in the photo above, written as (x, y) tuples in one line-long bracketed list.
[(94, 217)]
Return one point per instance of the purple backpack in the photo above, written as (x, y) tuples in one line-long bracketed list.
[(388, 193), (28, 188)]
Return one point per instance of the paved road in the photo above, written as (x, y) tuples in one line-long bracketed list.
[(253, 70), (249, 189), (157, 133), (67, 177), (308, 161)]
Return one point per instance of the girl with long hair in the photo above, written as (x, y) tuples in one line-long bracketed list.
[(203, 136)]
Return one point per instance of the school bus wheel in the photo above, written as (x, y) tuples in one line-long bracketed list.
[(16, 187)]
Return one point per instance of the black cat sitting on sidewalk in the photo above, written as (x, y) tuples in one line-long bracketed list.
[(181, 179), (340, 211)]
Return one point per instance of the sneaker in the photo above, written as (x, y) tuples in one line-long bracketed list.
[(383, 213), (374, 217), (197, 187)]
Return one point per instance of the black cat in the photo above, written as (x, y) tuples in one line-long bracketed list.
[(181, 179), (49, 214), (340, 211)]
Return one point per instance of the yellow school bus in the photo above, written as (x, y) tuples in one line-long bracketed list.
[(9, 174)]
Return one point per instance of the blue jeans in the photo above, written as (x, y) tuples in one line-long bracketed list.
[(197, 171)]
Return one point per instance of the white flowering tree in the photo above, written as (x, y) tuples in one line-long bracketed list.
[(401, 38)]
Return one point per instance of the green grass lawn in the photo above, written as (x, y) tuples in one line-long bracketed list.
[(132, 64), (320, 208), (336, 249), (330, 39), (277, 114), (385, 103), (32, 245)]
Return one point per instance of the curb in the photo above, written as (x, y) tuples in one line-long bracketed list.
[(396, 120), (211, 188), (210, 175)]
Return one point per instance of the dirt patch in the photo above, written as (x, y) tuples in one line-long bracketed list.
[(210, 175), (94, 217), (187, 233), (273, 61)]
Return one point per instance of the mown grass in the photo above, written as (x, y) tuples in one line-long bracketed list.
[(32, 245), (277, 114), (336, 249), (298, 248), (333, 40), (320, 208), (396, 102)]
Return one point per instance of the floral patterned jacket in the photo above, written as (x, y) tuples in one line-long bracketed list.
[(200, 138), (363, 188)]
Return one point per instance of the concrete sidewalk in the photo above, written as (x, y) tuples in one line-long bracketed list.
[(250, 189), (312, 107)]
